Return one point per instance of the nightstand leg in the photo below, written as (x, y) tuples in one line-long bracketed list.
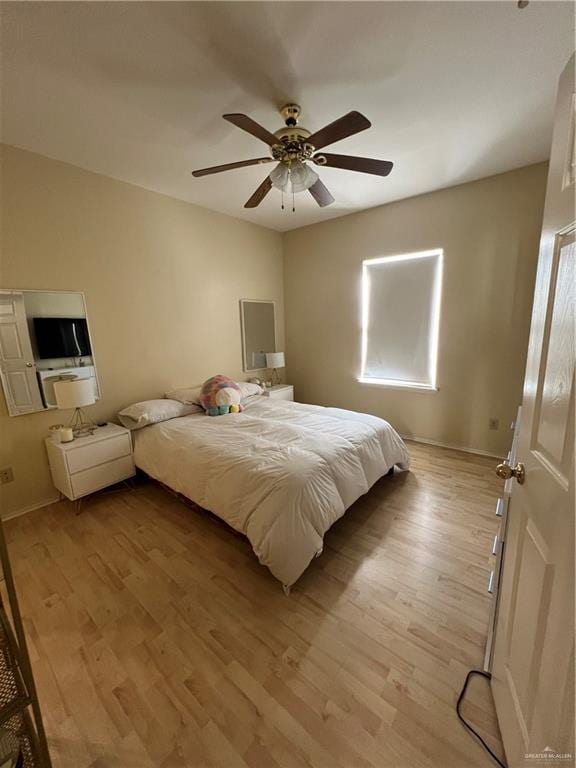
[(78, 506)]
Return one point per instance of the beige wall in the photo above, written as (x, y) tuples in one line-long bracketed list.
[(162, 280), (489, 231)]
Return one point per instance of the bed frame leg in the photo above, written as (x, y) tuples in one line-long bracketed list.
[(390, 471), (286, 590)]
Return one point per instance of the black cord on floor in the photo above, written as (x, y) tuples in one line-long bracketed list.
[(467, 725)]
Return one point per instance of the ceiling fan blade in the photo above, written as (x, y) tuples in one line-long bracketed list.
[(251, 126), (260, 194), (351, 163), (321, 194), (231, 166), (345, 126)]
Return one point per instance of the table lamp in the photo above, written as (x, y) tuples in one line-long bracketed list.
[(76, 393), (275, 360)]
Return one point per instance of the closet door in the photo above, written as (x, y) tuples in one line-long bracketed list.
[(17, 364)]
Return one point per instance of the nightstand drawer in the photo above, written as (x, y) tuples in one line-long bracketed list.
[(88, 456), (90, 480), (280, 392), (284, 394)]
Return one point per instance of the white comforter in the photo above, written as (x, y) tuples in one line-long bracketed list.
[(279, 472)]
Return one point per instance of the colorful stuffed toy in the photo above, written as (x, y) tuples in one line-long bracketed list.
[(220, 395)]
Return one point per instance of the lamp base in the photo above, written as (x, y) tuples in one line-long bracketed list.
[(275, 377), (82, 425)]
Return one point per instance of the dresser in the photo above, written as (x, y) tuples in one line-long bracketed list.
[(90, 463), (280, 392)]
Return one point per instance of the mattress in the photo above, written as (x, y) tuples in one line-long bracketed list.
[(279, 472)]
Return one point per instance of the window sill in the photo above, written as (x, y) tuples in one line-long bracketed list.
[(391, 384)]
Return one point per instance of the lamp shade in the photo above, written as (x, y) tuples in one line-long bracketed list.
[(275, 360), (74, 393)]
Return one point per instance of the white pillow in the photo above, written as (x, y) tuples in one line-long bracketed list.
[(186, 395), (147, 412), (247, 388)]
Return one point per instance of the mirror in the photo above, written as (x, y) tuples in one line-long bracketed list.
[(258, 332), (44, 338)]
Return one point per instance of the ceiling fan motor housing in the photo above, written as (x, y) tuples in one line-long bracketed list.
[(292, 144), (292, 148)]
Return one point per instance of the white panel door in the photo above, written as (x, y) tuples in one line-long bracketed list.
[(533, 671), (17, 364)]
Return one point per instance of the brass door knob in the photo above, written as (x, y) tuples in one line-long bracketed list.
[(505, 471)]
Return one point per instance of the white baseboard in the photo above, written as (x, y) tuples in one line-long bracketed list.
[(31, 508), (465, 449)]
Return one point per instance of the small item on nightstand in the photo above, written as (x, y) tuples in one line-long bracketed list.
[(66, 435), (55, 432)]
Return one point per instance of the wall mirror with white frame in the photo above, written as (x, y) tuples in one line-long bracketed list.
[(44, 338), (258, 321)]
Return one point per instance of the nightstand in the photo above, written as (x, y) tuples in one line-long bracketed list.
[(90, 463), (280, 392)]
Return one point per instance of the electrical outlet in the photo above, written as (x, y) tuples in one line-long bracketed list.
[(6, 475), (493, 424)]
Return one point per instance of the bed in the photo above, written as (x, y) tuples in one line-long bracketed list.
[(279, 472)]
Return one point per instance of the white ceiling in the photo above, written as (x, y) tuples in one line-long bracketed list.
[(455, 91)]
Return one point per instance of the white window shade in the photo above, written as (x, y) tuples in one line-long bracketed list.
[(400, 319)]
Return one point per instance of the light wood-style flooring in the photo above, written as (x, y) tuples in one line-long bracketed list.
[(157, 640)]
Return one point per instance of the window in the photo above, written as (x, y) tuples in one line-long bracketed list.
[(400, 319)]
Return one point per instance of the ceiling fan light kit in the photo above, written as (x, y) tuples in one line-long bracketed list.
[(293, 147), (293, 177), (302, 177)]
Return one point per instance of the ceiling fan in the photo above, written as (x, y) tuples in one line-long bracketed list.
[(292, 147)]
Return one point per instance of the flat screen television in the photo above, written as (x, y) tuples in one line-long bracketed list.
[(61, 337)]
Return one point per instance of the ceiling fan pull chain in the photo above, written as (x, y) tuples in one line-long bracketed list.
[(282, 191), (293, 206)]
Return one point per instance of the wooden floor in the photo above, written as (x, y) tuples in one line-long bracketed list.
[(157, 639)]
